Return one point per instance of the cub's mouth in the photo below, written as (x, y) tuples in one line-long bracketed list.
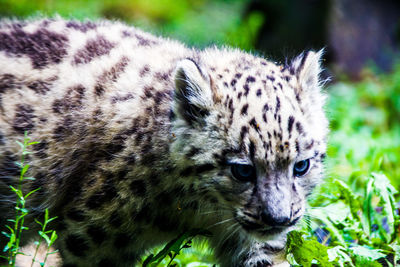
[(259, 228)]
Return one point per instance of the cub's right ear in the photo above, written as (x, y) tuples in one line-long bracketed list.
[(193, 96)]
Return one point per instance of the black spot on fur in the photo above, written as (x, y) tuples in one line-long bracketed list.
[(43, 47), (64, 130), (81, 26), (238, 75), (290, 123), (243, 132), (76, 245), (297, 146), (259, 93), (93, 48), (71, 101), (265, 108), (1, 139), (271, 78), (299, 128), (204, 168), (250, 79), (110, 75), (138, 188), (310, 145), (252, 150), (8, 168), (99, 89), (230, 105), (40, 86), (23, 120), (7, 82), (144, 71), (96, 233), (116, 145), (123, 98), (264, 116), (143, 41), (254, 124), (244, 109), (107, 193), (233, 82), (193, 152), (278, 105), (76, 215), (187, 171), (115, 220), (246, 89), (161, 76)]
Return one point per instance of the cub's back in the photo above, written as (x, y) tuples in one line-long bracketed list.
[(75, 87)]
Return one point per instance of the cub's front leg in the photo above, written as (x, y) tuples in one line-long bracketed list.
[(266, 254), (241, 252)]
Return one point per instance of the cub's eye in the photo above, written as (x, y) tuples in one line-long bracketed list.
[(243, 172), (301, 167)]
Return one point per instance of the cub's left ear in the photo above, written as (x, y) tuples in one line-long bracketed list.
[(307, 68), (193, 96)]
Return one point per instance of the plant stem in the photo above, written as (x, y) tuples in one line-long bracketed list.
[(36, 251)]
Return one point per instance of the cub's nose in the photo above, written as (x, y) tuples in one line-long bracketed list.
[(275, 220)]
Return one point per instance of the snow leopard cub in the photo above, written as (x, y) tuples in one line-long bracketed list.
[(142, 138)]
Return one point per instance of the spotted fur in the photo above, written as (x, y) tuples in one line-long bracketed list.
[(138, 134)]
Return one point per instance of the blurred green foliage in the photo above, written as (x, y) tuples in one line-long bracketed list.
[(195, 22), (364, 118)]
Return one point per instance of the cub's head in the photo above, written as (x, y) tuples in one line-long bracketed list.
[(253, 132)]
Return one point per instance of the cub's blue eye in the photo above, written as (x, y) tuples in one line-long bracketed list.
[(243, 172), (301, 167)]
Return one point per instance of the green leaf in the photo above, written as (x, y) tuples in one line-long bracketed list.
[(30, 193), (20, 144), (366, 252), (6, 234), (305, 251), (45, 237), (148, 260), (24, 169), (339, 255), (33, 143), (53, 238)]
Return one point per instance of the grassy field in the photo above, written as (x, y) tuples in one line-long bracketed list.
[(357, 219)]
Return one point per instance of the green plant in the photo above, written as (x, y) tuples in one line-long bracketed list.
[(14, 234), (174, 247), (355, 214), (49, 236), (360, 229), (15, 231)]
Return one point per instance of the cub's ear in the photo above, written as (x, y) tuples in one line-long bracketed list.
[(307, 68), (193, 96)]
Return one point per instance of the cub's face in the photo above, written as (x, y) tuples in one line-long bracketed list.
[(262, 129)]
